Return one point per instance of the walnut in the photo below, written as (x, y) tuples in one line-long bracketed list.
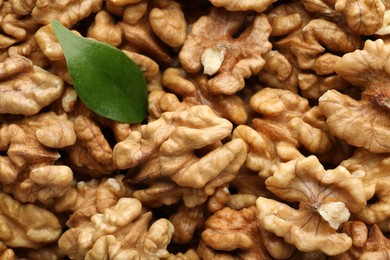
[(229, 230), (29, 144), (362, 16), (210, 45), (26, 225), (149, 67), (92, 151), (120, 232), (368, 243), (373, 171), (364, 122), (326, 200), (308, 49), (188, 255), (235, 5), (140, 38), (171, 147), (85, 199), (193, 91), (48, 252), (6, 253), (22, 7), (67, 12), (186, 221), (105, 30), (26, 89), (287, 123), (168, 23)]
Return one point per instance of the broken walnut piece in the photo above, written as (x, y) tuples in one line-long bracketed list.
[(105, 30), (229, 230), (326, 199), (236, 5), (67, 12), (168, 22), (364, 122), (363, 16), (211, 45), (170, 147), (26, 89), (29, 144), (26, 225), (84, 199), (6, 253), (121, 231), (193, 90), (368, 242), (372, 169), (185, 222)]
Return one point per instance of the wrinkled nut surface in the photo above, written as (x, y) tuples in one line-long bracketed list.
[(26, 225), (325, 202), (121, 232), (212, 36), (236, 5), (26, 89), (364, 122)]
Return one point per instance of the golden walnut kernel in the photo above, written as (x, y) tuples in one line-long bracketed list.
[(67, 12), (363, 16), (373, 170), (104, 29), (120, 232), (210, 45), (26, 225), (26, 89), (237, 5), (170, 147), (365, 122), (193, 90), (326, 199)]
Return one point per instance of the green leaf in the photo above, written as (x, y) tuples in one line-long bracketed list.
[(106, 79)]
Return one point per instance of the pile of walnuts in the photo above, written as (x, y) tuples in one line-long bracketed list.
[(267, 137)]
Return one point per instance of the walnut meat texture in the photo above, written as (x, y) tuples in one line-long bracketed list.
[(365, 122), (238, 235), (120, 232), (326, 199), (184, 146), (368, 242), (211, 44), (29, 171), (285, 123), (25, 89), (236, 5), (373, 170), (193, 91), (26, 225), (363, 16)]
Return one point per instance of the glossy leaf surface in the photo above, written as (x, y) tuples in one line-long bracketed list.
[(106, 79)]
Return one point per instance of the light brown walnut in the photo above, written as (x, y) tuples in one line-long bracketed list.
[(150, 69), (210, 46), (92, 151), (368, 243), (186, 221), (190, 254), (85, 199), (28, 170), (193, 90), (67, 12), (373, 171), (26, 225), (26, 89), (168, 23), (120, 232), (171, 147), (105, 30), (325, 198), (238, 234), (236, 5), (6, 253), (364, 122), (363, 16)]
